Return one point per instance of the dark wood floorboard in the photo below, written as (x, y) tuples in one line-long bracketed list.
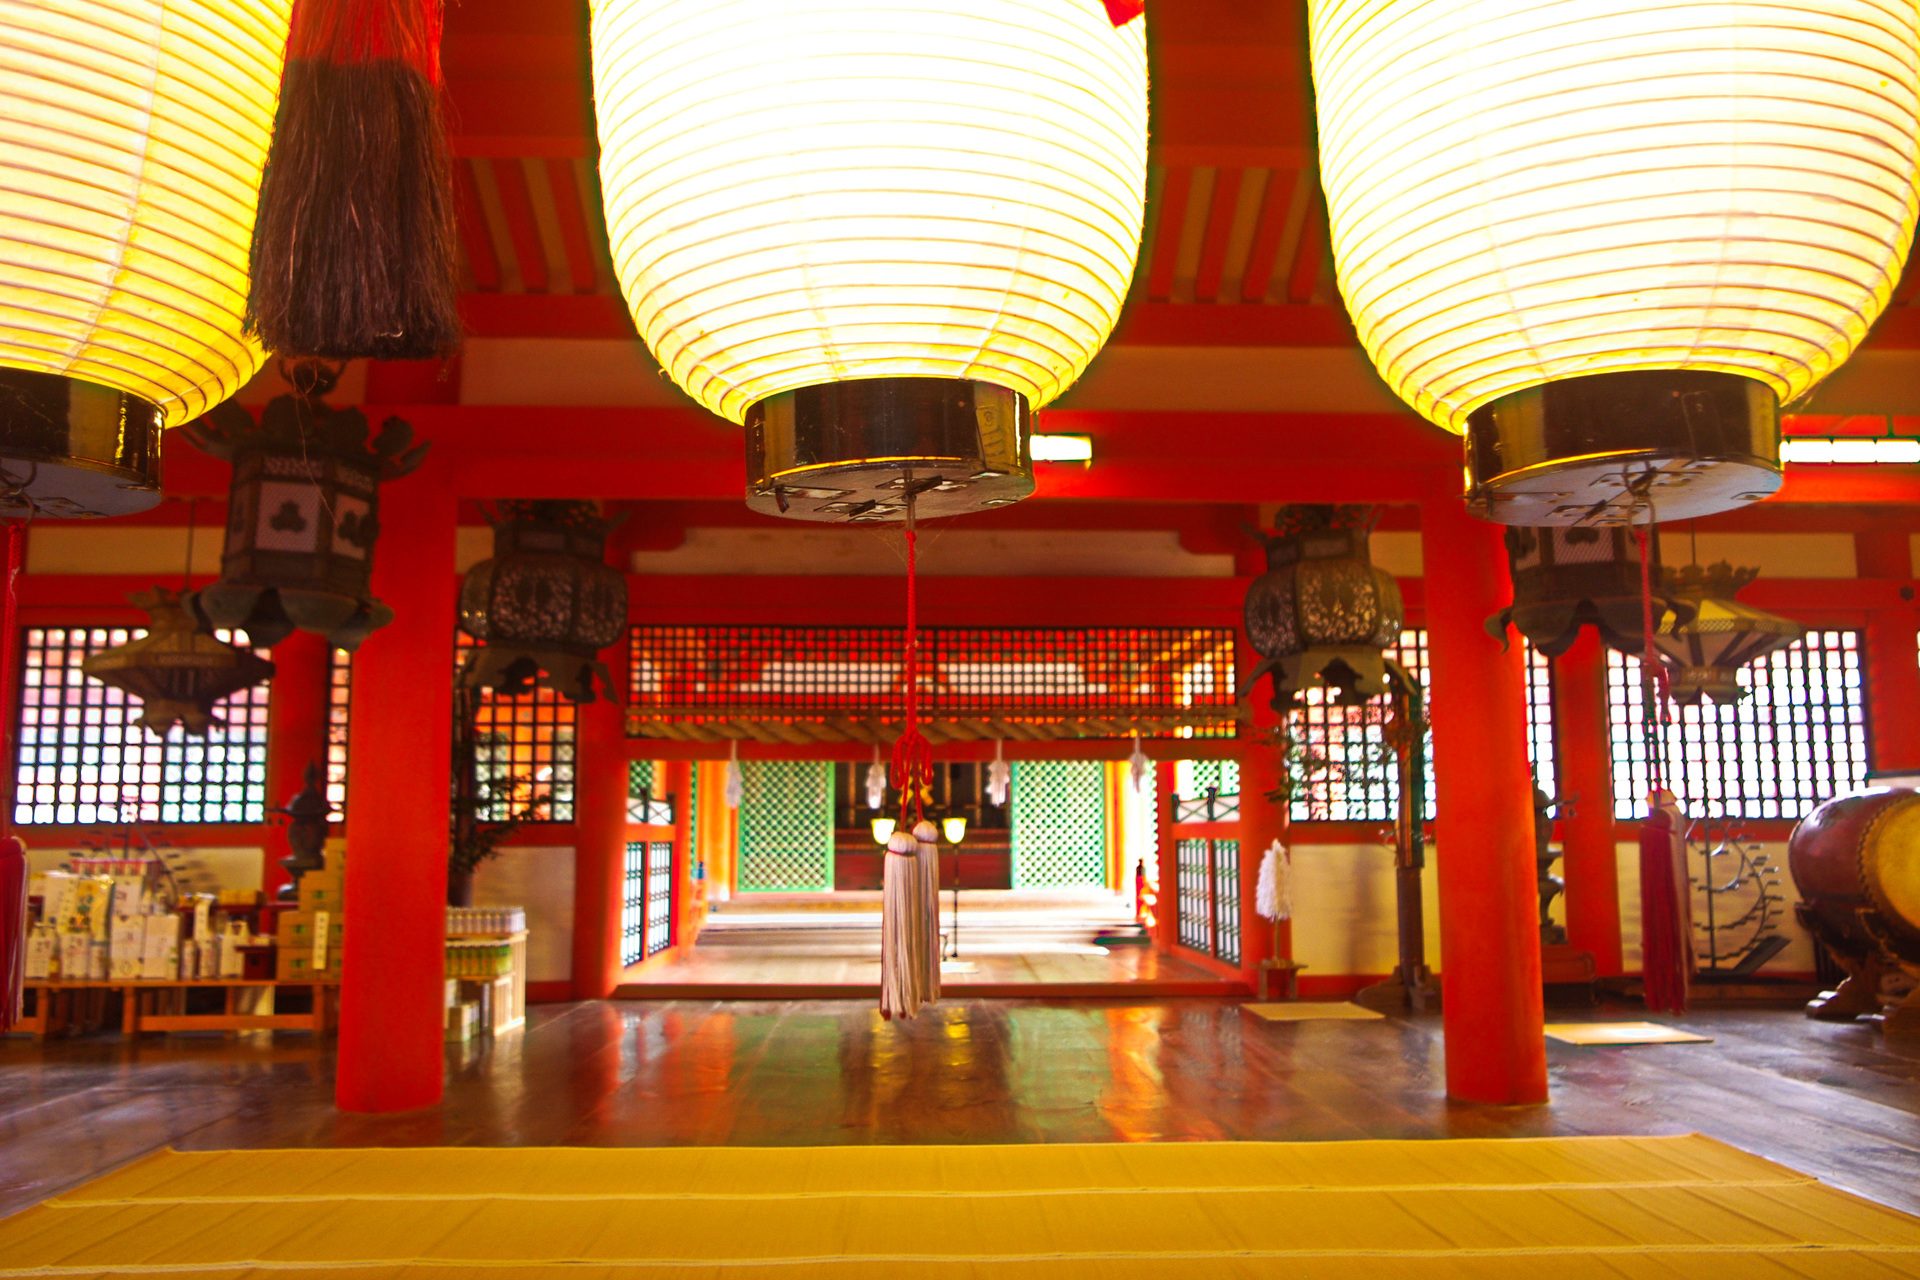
[(1834, 1101)]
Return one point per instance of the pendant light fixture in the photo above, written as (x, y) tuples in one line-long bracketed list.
[(1704, 654), (1565, 579), (879, 234), (178, 669), (1323, 614), (1606, 240), (131, 149)]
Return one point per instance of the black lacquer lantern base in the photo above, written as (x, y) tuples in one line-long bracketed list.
[(78, 450), (851, 452), (1584, 451)]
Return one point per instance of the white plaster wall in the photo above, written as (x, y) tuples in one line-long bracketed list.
[(1344, 917), (1797, 957), (541, 880)]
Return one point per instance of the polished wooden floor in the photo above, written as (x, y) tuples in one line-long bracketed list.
[(1833, 1101)]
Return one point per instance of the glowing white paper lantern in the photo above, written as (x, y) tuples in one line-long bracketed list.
[(1705, 204), (827, 192), (132, 138)]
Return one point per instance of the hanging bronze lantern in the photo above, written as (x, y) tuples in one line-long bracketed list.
[(179, 669), (1323, 613), (1704, 654), (1564, 579), (303, 512), (546, 603)]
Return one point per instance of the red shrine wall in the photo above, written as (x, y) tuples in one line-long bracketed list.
[(1045, 563)]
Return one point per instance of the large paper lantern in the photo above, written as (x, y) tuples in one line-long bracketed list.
[(878, 234), (1607, 239), (132, 136)]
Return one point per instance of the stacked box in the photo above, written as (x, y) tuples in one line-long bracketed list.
[(43, 951), (126, 947), (160, 960), (321, 891), (310, 946)]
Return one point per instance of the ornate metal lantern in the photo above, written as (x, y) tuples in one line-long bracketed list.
[(1322, 613), (1564, 579), (303, 513), (546, 603), (179, 669), (1704, 654)]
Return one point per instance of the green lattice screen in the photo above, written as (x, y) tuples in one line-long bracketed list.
[(1059, 824), (786, 826)]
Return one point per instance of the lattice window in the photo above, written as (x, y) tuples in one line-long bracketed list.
[(1059, 822), (524, 748), (339, 715), (633, 904), (1206, 791), (786, 826), (1226, 900), (659, 896), (1798, 738), (1207, 877), (854, 673), (1360, 781), (1194, 875), (644, 802), (79, 761)]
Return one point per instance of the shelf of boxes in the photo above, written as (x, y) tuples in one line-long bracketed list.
[(486, 970), (114, 929)]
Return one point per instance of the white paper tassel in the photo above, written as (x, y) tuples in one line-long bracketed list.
[(999, 777), (904, 926), (1273, 895), (736, 780), (927, 836), (876, 781), (1139, 765)]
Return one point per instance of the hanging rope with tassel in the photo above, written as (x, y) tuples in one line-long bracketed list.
[(910, 880), (355, 247), (1665, 895)]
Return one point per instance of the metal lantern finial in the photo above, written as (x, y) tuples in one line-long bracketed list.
[(179, 669), (1323, 613), (546, 602), (1705, 652), (303, 512)]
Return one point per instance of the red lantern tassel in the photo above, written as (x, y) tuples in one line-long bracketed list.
[(354, 245), (1666, 924)]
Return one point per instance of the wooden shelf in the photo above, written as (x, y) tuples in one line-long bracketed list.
[(160, 1005)]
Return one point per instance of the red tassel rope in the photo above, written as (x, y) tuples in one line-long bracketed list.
[(13, 855), (351, 31), (912, 755)]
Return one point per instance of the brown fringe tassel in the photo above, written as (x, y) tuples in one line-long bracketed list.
[(354, 245)]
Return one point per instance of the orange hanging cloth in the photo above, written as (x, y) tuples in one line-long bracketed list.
[(355, 247)]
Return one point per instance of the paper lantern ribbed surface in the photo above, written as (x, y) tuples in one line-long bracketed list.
[(132, 138), (825, 190), (1523, 191)]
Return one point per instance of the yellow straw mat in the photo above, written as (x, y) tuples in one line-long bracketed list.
[(1621, 1033), (1570, 1208), (1310, 1011)]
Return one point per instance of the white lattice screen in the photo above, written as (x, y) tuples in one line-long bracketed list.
[(786, 826), (1059, 824)]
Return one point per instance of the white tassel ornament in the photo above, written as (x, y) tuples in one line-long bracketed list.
[(1273, 894), (904, 926), (736, 780), (999, 777)]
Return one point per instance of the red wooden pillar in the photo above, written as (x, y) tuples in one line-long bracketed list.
[(296, 732), (1582, 734), (1892, 657), (392, 995), (1166, 903), (600, 847), (1489, 940), (687, 914)]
